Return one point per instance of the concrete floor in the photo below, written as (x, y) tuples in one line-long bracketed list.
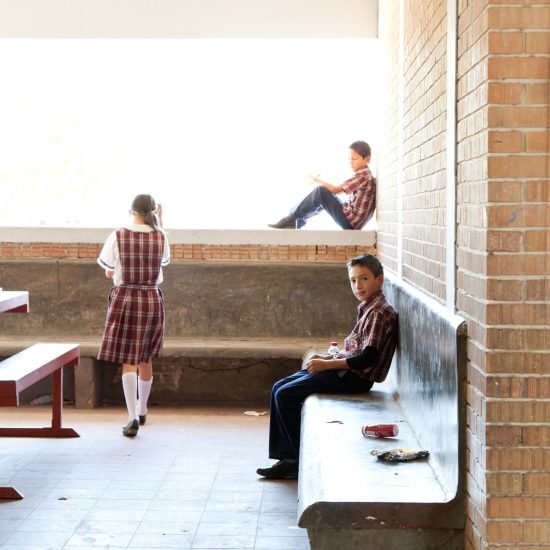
[(188, 480)]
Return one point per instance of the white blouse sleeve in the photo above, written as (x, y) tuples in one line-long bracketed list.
[(166, 253), (109, 253)]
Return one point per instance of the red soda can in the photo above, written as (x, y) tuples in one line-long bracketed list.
[(380, 430)]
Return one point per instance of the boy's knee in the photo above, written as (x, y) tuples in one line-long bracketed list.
[(319, 191), (277, 391), (283, 395), (322, 191), (277, 385)]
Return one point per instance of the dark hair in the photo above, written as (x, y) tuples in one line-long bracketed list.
[(372, 263), (362, 148), (146, 206)]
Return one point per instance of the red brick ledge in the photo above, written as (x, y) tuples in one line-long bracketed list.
[(195, 244), (250, 252)]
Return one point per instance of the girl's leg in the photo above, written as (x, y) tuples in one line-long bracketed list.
[(145, 382), (129, 385)]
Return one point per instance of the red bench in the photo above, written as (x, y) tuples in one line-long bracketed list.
[(24, 369), (14, 301)]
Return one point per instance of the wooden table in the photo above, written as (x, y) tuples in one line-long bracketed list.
[(13, 302)]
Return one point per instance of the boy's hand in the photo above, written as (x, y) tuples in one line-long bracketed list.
[(316, 180), (313, 180), (317, 356), (316, 364)]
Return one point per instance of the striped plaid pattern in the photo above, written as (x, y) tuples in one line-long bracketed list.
[(361, 189), (134, 329), (377, 327)]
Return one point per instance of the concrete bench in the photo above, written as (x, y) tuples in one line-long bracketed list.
[(26, 368), (349, 499), (228, 325)]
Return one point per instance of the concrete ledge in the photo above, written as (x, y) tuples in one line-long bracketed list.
[(287, 348), (349, 499), (356, 488), (232, 330), (189, 371), (196, 236), (403, 539)]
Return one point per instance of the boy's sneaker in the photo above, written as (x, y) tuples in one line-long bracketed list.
[(284, 223), (284, 469)]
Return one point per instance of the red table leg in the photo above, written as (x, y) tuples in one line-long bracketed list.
[(10, 493), (56, 429)]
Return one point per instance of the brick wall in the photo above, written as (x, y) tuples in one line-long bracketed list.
[(237, 252), (472, 246), (506, 254), (424, 146), (389, 170), (422, 181), (503, 243)]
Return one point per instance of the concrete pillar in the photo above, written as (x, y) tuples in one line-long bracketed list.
[(87, 384)]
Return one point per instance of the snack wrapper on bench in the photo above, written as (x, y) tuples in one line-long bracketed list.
[(399, 455)]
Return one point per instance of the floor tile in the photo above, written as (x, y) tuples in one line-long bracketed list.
[(48, 525), (114, 525), (281, 543), (123, 503), (8, 525), (168, 527), (154, 540), (222, 541), (187, 481), (233, 517), (101, 540), (48, 539), (226, 529), (119, 514), (52, 515)]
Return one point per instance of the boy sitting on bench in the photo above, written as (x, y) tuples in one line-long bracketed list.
[(366, 359)]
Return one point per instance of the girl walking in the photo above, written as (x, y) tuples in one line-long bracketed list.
[(133, 257)]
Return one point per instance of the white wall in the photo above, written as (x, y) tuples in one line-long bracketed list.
[(188, 18)]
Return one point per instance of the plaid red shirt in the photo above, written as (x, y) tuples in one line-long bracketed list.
[(361, 189), (377, 327)]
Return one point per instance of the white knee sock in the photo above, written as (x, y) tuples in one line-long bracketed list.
[(144, 388), (129, 385)]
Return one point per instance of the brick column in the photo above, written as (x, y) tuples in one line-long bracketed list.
[(504, 269), (503, 239)]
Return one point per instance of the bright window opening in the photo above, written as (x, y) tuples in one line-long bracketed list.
[(223, 132)]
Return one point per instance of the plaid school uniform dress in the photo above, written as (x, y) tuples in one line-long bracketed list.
[(134, 329)]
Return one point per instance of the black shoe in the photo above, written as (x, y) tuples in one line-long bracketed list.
[(283, 223), (131, 429), (142, 419), (280, 470)]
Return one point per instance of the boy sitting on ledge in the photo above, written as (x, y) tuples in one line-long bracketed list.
[(353, 214), (366, 359)]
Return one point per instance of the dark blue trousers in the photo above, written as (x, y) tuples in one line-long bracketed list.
[(318, 200), (287, 397)]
